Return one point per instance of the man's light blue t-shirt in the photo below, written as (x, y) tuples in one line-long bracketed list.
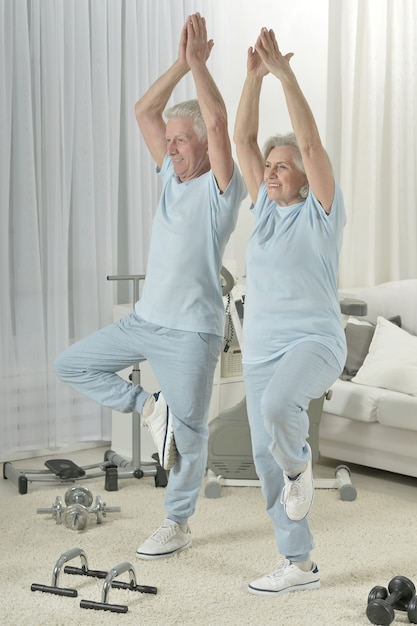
[(190, 231), (292, 270)]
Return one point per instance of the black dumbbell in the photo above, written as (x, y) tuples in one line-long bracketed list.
[(381, 603), (412, 610)]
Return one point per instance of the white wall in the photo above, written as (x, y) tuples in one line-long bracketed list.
[(301, 27)]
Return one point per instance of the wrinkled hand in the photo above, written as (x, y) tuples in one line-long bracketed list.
[(198, 47), (255, 65), (267, 48)]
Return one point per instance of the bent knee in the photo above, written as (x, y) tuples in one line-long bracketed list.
[(277, 409), (61, 365), (272, 406)]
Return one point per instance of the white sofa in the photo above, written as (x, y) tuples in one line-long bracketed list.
[(371, 420)]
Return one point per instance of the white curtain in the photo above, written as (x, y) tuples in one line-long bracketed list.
[(372, 135), (77, 193)]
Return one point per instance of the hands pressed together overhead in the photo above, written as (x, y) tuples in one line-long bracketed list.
[(195, 47), (266, 57)]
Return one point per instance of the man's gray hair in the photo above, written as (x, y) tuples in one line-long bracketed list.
[(189, 109)]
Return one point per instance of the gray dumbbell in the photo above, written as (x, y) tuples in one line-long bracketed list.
[(55, 510), (79, 495), (74, 495), (77, 516), (101, 509)]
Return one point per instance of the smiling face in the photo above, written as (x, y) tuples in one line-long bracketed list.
[(282, 178), (187, 151)]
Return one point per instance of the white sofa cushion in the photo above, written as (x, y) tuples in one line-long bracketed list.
[(398, 410), (391, 362), (355, 402)]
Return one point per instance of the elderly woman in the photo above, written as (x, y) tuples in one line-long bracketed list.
[(293, 345)]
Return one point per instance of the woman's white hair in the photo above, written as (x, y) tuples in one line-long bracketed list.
[(189, 109)]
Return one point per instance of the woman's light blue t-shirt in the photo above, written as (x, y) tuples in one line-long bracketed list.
[(190, 230), (292, 270)]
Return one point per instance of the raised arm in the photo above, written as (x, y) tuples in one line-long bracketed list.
[(247, 125), (315, 159), (149, 109), (210, 100)]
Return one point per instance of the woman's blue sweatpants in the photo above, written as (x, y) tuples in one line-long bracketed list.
[(278, 393)]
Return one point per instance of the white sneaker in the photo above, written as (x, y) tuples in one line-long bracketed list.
[(285, 578), (158, 418), (165, 542), (298, 494)]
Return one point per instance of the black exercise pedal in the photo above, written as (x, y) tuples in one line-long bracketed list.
[(111, 481), (64, 468)]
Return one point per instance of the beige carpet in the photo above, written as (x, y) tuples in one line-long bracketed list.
[(358, 544)]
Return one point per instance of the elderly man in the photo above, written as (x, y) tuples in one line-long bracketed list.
[(178, 324)]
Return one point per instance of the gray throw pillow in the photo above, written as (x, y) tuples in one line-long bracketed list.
[(358, 340)]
